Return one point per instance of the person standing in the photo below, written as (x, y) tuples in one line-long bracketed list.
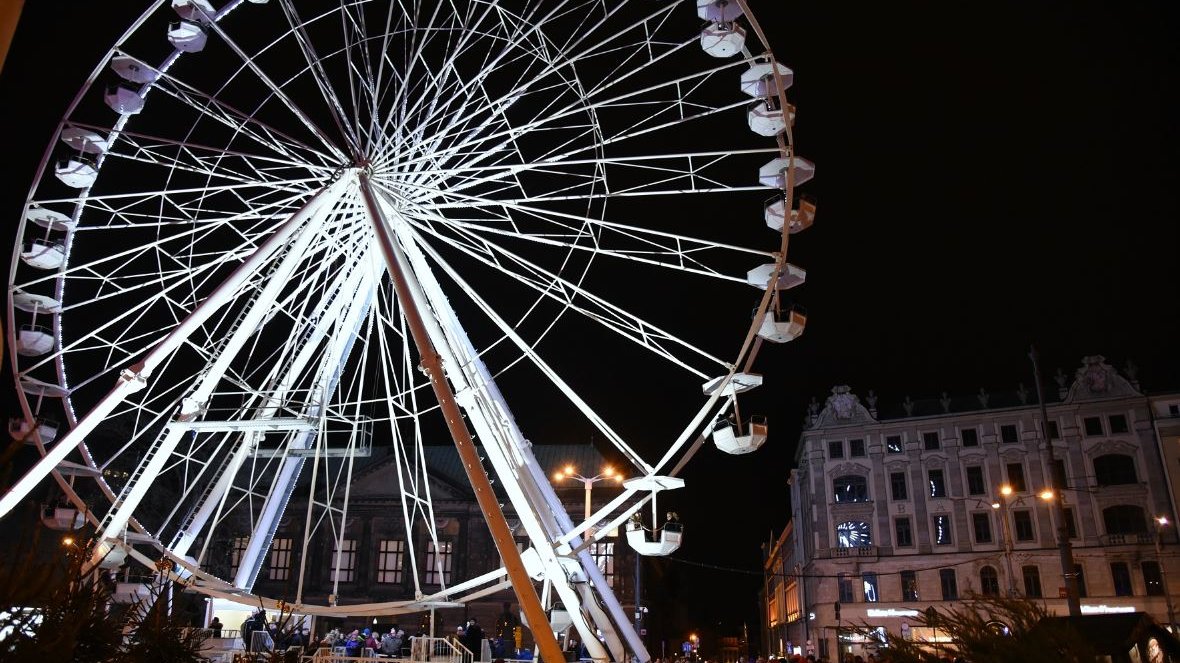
[(215, 626), (474, 639)]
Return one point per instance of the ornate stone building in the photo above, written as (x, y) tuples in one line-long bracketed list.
[(896, 512), (374, 559)]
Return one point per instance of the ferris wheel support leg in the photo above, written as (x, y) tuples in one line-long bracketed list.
[(522, 584), (134, 378)]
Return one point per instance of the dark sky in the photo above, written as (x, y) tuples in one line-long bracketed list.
[(988, 176)]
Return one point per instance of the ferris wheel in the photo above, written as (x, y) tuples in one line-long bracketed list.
[(271, 236)]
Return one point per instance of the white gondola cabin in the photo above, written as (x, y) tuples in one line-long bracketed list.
[(198, 11), (27, 301), (774, 173), (43, 254), (123, 100), (800, 219), (719, 11), (133, 70), (658, 541), (791, 276), (62, 517), (723, 40), (739, 383), (33, 341), (765, 118), (759, 80), (21, 430), (35, 387), (50, 219), (187, 36), (84, 140), (77, 172), (732, 439), (785, 326)]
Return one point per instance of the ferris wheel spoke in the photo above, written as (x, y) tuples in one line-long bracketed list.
[(276, 90), (577, 299)]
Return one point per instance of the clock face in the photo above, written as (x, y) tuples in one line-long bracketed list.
[(853, 534)]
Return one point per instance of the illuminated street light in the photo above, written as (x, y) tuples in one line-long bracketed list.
[(1047, 494), (1005, 489), (570, 472), (67, 541)]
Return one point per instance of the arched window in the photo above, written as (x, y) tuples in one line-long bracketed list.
[(1124, 519), (851, 488), (853, 534), (1115, 470), (989, 581)]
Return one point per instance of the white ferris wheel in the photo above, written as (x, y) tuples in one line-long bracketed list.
[(270, 235)]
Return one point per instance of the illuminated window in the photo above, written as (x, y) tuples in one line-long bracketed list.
[(942, 530), (604, 557), (438, 562), (893, 444), (851, 488), (343, 561), (1152, 578), (280, 559), (794, 609), (391, 560), (937, 483), (869, 580)]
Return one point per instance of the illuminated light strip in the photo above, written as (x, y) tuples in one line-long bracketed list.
[(891, 612), (1107, 609)]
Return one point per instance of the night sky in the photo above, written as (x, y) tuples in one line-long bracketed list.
[(988, 175)]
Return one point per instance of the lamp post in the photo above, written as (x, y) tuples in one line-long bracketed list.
[(1002, 505), (1160, 523), (569, 472)]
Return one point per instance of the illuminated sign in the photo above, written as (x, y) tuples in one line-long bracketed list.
[(1106, 609), (891, 612)]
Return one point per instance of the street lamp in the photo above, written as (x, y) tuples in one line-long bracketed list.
[(1002, 506), (569, 472), (1162, 522)]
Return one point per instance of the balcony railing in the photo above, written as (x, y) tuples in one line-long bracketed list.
[(1123, 539), (858, 552)]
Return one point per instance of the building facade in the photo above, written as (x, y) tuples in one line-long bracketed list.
[(895, 514), (371, 561)]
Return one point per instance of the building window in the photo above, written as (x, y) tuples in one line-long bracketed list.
[(1124, 519), (931, 442), (1016, 477), (1070, 523), (937, 483), (1092, 426), (870, 585), (1060, 480), (989, 581), (909, 586), (975, 482), (970, 437), (853, 534), (904, 533), (836, 449), (942, 530), (845, 584), (1152, 579), (893, 444), (344, 561), (438, 562), (391, 560), (856, 448), (1009, 434), (239, 545), (1115, 470), (950, 586), (1024, 525), (897, 487), (1117, 423), (1054, 431), (982, 524), (1081, 576), (604, 556), (1032, 581), (280, 559), (851, 488), (1121, 574), (1173, 410)]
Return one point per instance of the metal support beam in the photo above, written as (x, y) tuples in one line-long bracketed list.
[(522, 584)]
